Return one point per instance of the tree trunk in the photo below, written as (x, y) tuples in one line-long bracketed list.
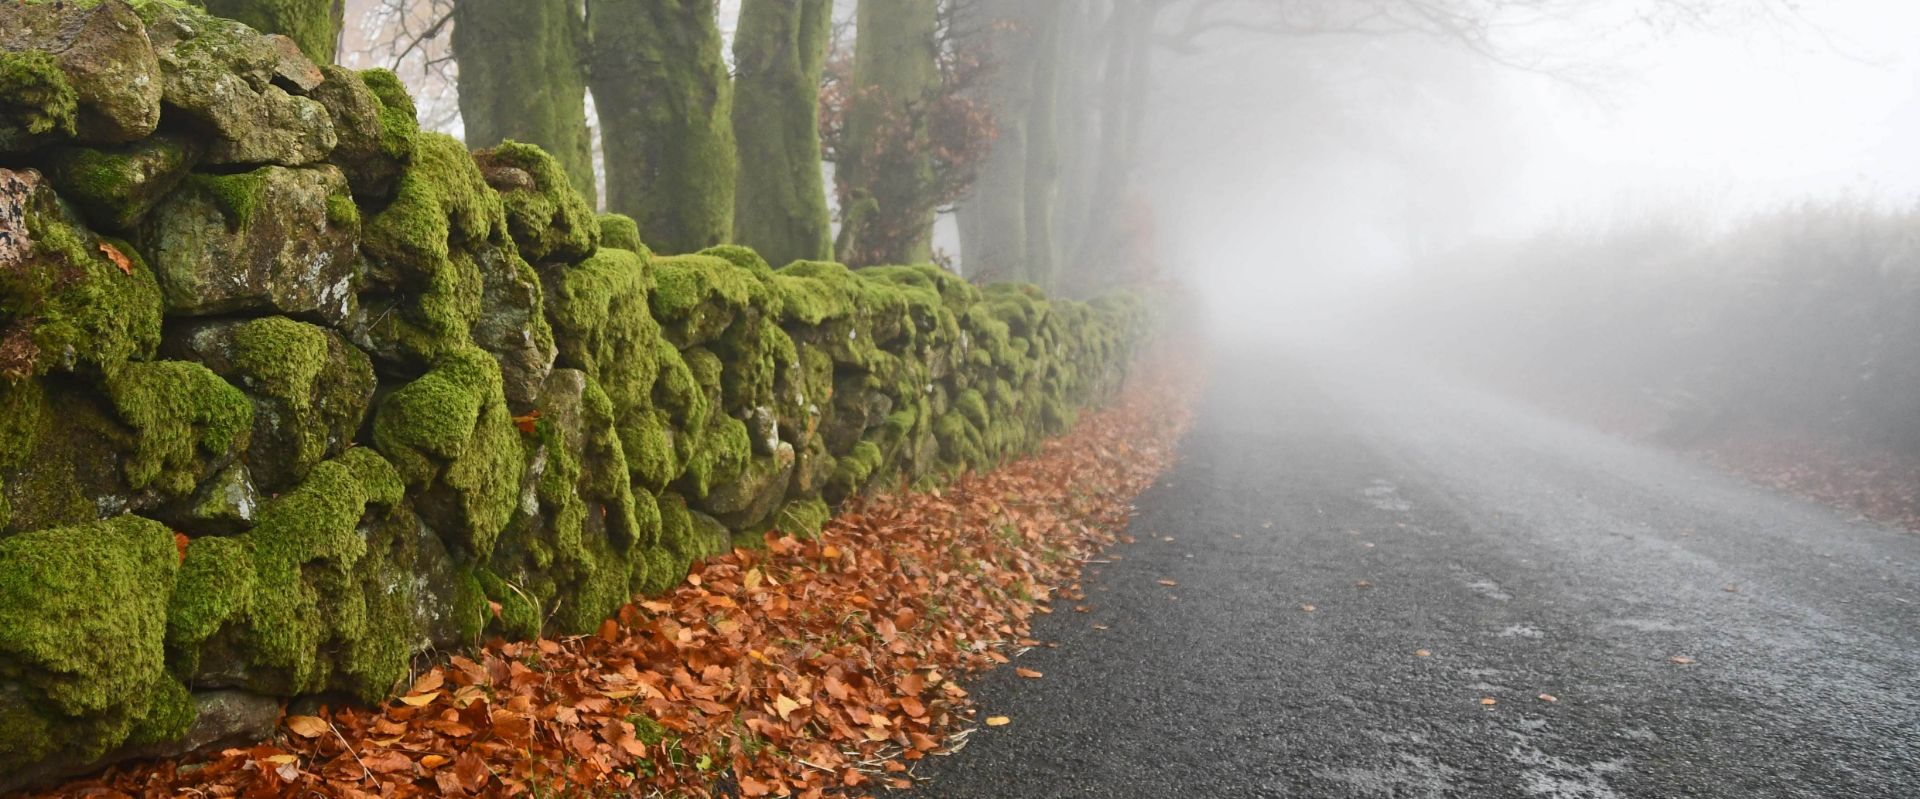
[(660, 84), (523, 77), (780, 198), (1043, 143), (993, 219), (1082, 55), (885, 174), (312, 24), (1122, 88)]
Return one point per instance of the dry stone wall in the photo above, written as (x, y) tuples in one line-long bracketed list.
[(292, 391)]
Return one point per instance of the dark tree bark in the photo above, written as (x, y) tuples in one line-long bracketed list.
[(780, 199), (523, 76), (660, 85)]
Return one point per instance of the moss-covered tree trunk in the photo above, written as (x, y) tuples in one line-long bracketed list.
[(1081, 61), (993, 219), (312, 24), (523, 76), (661, 88), (1122, 95), (1043, 143), (780, 199), (885, 177)]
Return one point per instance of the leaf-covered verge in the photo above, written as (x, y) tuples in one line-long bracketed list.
[(823, 667)]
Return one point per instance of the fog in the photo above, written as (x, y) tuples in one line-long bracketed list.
[(1315, 175)]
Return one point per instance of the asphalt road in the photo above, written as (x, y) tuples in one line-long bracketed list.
[(1703, 637)]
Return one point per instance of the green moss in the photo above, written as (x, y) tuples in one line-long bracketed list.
[(341, 212), (399, 123), (853, 470), (186, 420), (803, 518), (720, 455), (549, 220), (308, 612), (620, 231), (83, 613), (237, 195), (441, 207), (451, 430), (71, 306), (37, 99), (697, 296), (602, 326), (215, 586)]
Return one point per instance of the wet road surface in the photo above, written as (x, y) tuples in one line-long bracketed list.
[(1702, 637)]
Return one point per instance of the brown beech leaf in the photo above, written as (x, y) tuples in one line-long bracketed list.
[(118, 258), (307, 726), (1027, 673), (998, 721)]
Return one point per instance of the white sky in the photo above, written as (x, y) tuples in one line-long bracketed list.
[(1734, 121)]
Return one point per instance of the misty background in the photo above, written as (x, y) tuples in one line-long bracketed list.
[(1695, 220)]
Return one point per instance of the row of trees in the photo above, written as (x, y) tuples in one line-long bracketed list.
[(1020, 116)]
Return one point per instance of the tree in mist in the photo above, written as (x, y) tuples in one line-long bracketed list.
[(312, 24), (904, 130), (1006, 220), (780, 201), (660, 85), (523, 76)]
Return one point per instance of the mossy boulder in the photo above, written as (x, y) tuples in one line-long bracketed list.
[(309, 388), (102, 56), (372, 142), (549, 220), (117, 186), (83, 616), (221, 74), (273, 240), (187, 423), (453, 439), (65, 302), (511, 324)]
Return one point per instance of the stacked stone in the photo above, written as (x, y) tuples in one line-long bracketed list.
[(292, 391)]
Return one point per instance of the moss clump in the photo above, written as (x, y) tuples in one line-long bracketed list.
[(341, 212), (803, 518), (697, 296), (602, 326), (186, 421), (312, 24), (308, 612), (83, 614), (214, 586), (548, 219), (237, 196), (68, 305), (37, 99), (399, 122), (620, 231), (450, 432)]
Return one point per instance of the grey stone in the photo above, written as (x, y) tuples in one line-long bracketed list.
[(116, 186), (359, 151), (103, 51), (271, 240), (220, 73), (512, 325)]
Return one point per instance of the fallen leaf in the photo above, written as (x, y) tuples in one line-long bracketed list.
[(785, 705), (1308, 608), (118, 258), (433, 761), (527, 422), (1100, 627), (281, 760), (307, 726), (1489, 701), (430, 681), (1167, 583), (1363, 584), (420, 700), (1027, 673), (1682, 660), (998, 721), (1549, 698), (1422, 653)]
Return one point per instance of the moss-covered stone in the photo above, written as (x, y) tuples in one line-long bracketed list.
[(450, 434), (186, 421), (221, 74), (83, 615), (271, 240), (117, 186), (107, 90), (620, 231), (548, 218), (65, 303)]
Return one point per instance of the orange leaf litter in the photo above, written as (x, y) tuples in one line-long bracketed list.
[(810, 668)]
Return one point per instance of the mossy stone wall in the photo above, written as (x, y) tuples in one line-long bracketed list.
[(280, 410)]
